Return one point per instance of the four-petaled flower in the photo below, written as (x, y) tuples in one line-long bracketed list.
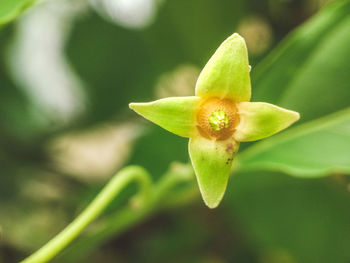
[(218, 117)]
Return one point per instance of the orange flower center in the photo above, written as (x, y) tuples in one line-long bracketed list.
[(217, 118)]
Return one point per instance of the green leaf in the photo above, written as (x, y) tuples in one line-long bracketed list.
[(312, 149), (226, 75), (259, 120), (309, 71), (10, 9), (212, 161), (175, 114), (291, 219)]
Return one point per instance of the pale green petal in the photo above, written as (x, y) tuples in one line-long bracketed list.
[(212, 161), (226, 75), (259, 120), (175, 114)]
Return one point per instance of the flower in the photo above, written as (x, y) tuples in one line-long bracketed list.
[(218, 117)]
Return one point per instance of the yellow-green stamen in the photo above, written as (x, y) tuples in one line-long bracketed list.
[(218, 120)]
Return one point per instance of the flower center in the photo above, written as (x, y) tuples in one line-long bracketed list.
[(217, 118)]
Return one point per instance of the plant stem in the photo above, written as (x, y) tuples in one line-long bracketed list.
[(97, 206), (162, 196)]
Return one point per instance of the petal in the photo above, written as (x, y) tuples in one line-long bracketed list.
[(226, 75), (212, 161), (259, 120), (175, 114)]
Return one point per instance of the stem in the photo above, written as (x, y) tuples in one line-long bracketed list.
[(97, 206), (163, 196)]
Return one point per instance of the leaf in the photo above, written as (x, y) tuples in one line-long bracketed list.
[(10, 9), (312, 149), (308, 71), (291, 219)]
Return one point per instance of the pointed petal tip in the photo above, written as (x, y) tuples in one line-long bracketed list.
[(212, 199), (132, 105), (212, 204), (136, 105), (236, 35), (294, 117), (297, 116), (139, 106)]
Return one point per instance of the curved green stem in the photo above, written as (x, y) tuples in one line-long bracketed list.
[(97, 206), (163, 196)]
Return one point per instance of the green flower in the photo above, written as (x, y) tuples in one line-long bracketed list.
[(218, 117)]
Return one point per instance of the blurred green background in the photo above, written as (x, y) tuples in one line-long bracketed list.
[(68, 70)]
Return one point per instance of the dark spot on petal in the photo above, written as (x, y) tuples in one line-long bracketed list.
[(229, 148), (229, 160)]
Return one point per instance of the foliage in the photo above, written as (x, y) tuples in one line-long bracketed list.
[(266, 215), (10, 9)]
